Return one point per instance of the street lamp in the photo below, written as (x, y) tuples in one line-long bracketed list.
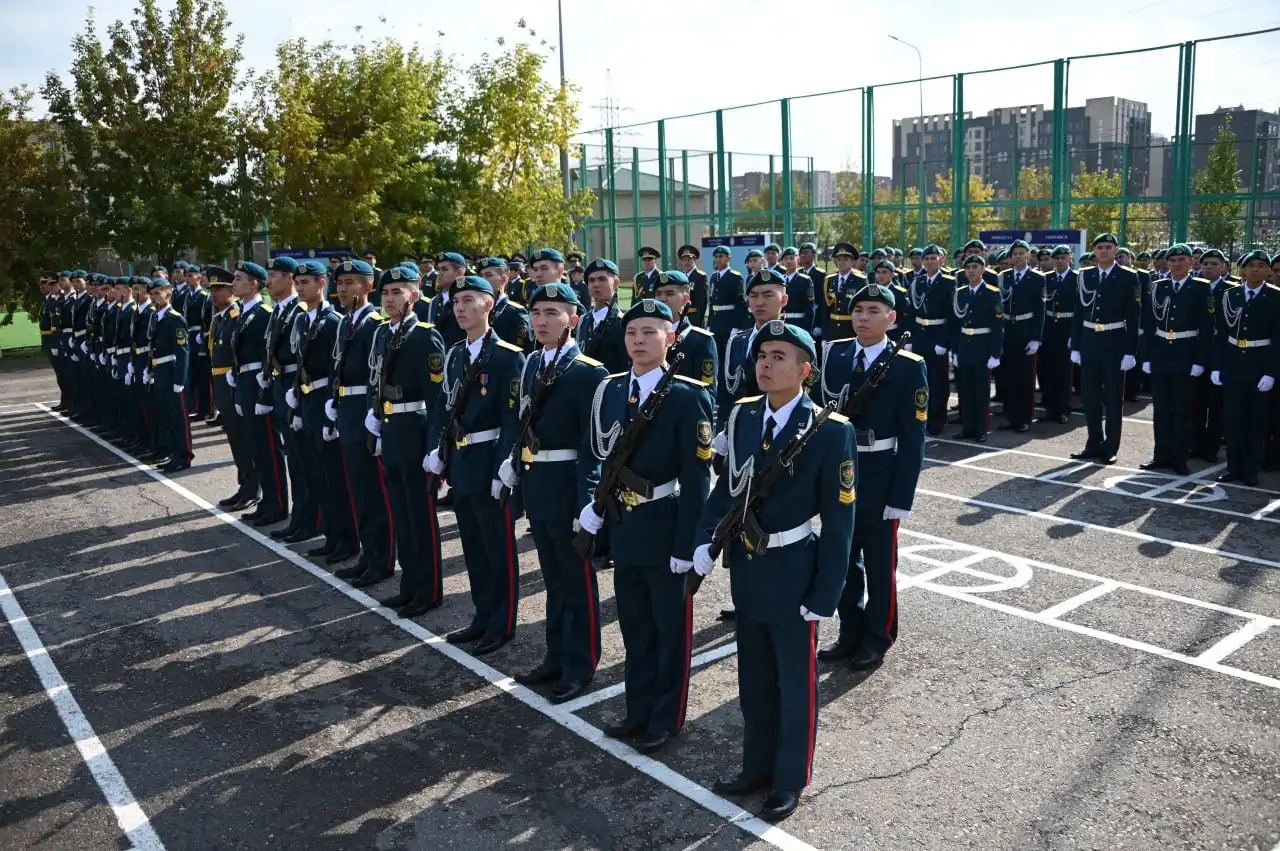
[(920, 126)]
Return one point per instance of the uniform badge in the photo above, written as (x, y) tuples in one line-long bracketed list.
[(484, 384), (922, 399), (182, 336), (515, 393), (435, 363), (708, 370), (777, 327), (846, 474), (649, 306)]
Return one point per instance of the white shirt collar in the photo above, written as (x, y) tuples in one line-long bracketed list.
[(648, 381), (311, 314), (1018, 273), (780, 416), (224, 310), (473, 348), (180, 288), (1178, 284), (598, 315), (250, 304), (99, 302), (444, 294), (285, 302), (162, 312), (1102, 271), (873, 352), (548, 355)]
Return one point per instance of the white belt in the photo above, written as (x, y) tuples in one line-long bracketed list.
[(929, 322), (554, 455), (882, 445), (1061, 315), (409, 407), (318, 384), (1248, 344), (969, 332), (111, 350), (1178, 335), (164, 359), (1108, 326), (288, 368), (1021, 317), (66, 330), (353, 390), (662, 491), (142, 350), (791, 536), (793, 316), (250, 367), (489, 435), (716, 308)]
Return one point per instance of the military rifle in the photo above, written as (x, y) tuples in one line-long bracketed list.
[(615, 475), (857, 401), (453, 436), (528, 439), (675, 349), (740, 521), (386, 395)]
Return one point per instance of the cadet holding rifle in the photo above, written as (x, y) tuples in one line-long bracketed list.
[(789, 579)]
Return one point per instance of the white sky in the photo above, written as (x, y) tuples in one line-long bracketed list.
[(671, 57)]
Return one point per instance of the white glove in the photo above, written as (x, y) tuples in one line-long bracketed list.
[(331, 410), (720, 445), (1196, 370), (589, 520), (955, 361), (1216, 378), (262, 379), (1265, 383), (1146, 367), (495, 488), (296, 423), (891, 513), (115, 361), (907, 347), (1075, 358), (372, 424), (146, 375), (992, 363), (291, 398), (197, 339), (239, 410), (177, 388), (130, 368), (507, 473), (84, 347), (261, 409), (102, 359), (1033, 347), (812, 616), (231, 380), (1127, 363), (702, 562), (432, 463), (128, 378), (817, 333), (679, 565), (329, 433), (939, 350)]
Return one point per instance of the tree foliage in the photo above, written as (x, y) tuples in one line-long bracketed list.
[(1034, 183), (1217, 223), (1096, 218), (977, 218), (753, 215)]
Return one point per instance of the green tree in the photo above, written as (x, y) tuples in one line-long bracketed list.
[(1034, 183), (144, 120), (1217, 223), (977, 218), (1097, 217), (753, 215)]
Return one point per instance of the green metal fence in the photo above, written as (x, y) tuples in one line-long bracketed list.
[(1047, 145)]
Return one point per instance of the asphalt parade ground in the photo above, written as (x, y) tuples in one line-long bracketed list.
[(1089, 658)]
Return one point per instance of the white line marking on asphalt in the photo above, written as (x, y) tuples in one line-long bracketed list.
[(1233, 642), (1184, 480), (657, 771), (1265, 510), (609, 692), (1088, 596), (24, 406), (129, 815), (1066, 471)]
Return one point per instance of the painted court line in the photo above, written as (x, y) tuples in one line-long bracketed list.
[(714, 655), (1233, 642), (655, 770), (129, 815), (1088, 596)]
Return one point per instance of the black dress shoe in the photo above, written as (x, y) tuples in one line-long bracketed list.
[(488, 644), (300, 536), (728, 615), (740, 784), (1107, 460), (652, 741), (1228, 476), (1181, 468), (625, 729), (229, 501), (1209, 457), (268, 520), (866, 659), (244, 504), (544, 674), (320, 551), (567, 690), (1153, 464), (1086, 455), (160, 461), (176, 466), (281, 534), (396, 601), (465, 635), (839, 650), (1249, 481), (982, 438), (352, 572), (338, 556), (1063, 419), (366, 579), (599, 563), (419, 606), (1022, 429), (779, 804)]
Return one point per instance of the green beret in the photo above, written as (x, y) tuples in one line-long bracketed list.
[(1179, 249), (559, 293), (876, 292), (1105, 237), (1019, 243), (253, 270), (647, 308), (1256, 254), (773, 246), (1213, 254), (775, 330), (789, 251), (355, 267), (755, 252), (472, 283), (673, 276), (721, 249), (765, 277), (1059, 250), (284, 264), (974, 260), (886, 264), (933, 250), (601, 265), (809, 246), (916, 252)]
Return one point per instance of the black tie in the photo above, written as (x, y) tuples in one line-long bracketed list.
[(859, 363), (767, 440), (1248, 296), (633, 401)]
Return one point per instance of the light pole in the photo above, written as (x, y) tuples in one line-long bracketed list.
[(919, 130)]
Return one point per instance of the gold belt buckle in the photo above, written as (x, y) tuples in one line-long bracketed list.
[(1097, 326), (1243, 344), (527, 456), (306, 388), (1171, 335), (275, 373), (462, 442), (968, 332), (629, 498), (342, 391), (386, 409)]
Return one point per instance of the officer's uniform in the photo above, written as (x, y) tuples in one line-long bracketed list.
[(1246, 345), (929, 301), (221, 362), (1023, 296), (644, 283), (837, 315), (889, 434), (68, 348), (977, 336), (1207, 427), (1105, 331), (777, 669), (275, 380), (122, 346), (819, 279), (1053, 361), (249, 350), (80, 356), (55, 348), (490, 423), (600, 336), (108, 358), (510, 321), (651, 535), (726, 304), (1138, 381), (169, 362), (47, 321), (801, 307), (698, 291), (699, 348)]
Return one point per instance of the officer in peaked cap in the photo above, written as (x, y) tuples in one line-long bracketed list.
[(838, 289), (687, 258), (767, 301), (1053, 361), (977, 333), (1023, 290), (510, 319), (167, 375), (647, 278), (929, 297), (226, 313), (726, 299)]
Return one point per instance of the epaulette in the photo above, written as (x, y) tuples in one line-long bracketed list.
[(1195, 278), (698, 329), (748, 399), (855, 272), (838, 417), (694, 381), (1127, 268), (841, 340), (1083, 268), (515, 303), (909, 355), (503, 344), (946, 275), (1272, 286), (962, 287), (617, 375), (266, 308), (993, 288), (897, 286), (591, 362), (234, 313), (377, 315), (424, 325)]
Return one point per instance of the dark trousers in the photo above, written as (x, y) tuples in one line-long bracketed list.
[(1171, 415), (656, 618), (938, 367), (84, 385), (1053, 362), (337, 505), (1271, 456), (778, 691), (174, 429), (233, 425), (373, 507), (1207, 427), (1245, 409), (489, 547), (412, 495), (573, 601), (973, 386), (305, 515), (141, 405), (268, 458), (873, 568), (62, 371), (1102, 394), (1019, 387), (199, 385)]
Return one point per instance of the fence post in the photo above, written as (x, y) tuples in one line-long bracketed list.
[(723, 202), (1250, 208), (1060, 163), (684, 191), (959, 171), (868, 169), (663, 187), (635, 205), (788, 221), (613, 192)]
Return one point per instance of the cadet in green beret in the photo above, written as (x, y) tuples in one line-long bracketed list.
[(510, 319), (801, 294), (600, 334), (977, 340), (929, 298), (767, 300), (1053, 361), (226, 313), (1023, 292), (772, 252), (167, 375), (701, 362), (450, 266)]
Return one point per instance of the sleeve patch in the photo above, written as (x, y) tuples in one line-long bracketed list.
[(846, 474), (181, 335), (708, 370), (704, 432), (922, 399)]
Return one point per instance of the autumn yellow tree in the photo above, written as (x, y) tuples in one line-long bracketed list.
[(1096, 217), (1035, 183)]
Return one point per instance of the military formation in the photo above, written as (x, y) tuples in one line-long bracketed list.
[(770, 420)]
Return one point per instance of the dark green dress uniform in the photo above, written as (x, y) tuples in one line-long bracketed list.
[(1176, 329), (777, 665), (1207, 427), (555, 483), (199, 388), (111, 377), (739, 377), (409, 359), (48, 328), (801, 306), (67, 349), (698, 297), (169, 365), (1023, 295), (122, 346), (726, 304), (1053, 361), (977, 335), (275, 380), (1137, 381), (57, 357), (139, 365), (654, 613), (929, 300), (837, 315), (221, 362), (645, 283), (699, 348), (1104, 333), (440, 316), (249, 350), (819, 279), (889, 437), (490, 423), (602, 338), (510, 320), (1246, 346), (80, 357)]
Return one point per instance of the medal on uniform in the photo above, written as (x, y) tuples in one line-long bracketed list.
[(484, 380)]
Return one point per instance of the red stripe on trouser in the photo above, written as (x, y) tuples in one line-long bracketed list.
[(433, 532), (812, 684), (687, 635), (893, 585), (274, 452), (1031, 397), (351, 497), (593, 635), (509, 533), (986, 404), (386, 505), (186, 426)]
